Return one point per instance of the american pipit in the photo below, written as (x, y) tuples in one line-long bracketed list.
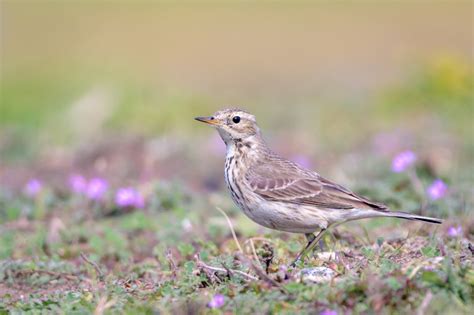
[(282, 195)]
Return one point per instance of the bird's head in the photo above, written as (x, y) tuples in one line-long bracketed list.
[(232, 124)]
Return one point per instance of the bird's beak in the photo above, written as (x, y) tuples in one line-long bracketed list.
[(208, 120)]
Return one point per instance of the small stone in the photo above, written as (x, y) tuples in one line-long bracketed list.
[(326, 256), (316, 275)]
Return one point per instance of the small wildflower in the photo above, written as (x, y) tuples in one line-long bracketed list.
[(77, 183), (217, 301), (129, 197), (96, 188), (455, 231), (33, 187), (402, 161), (328, 312), (187, 225), (437, 189)]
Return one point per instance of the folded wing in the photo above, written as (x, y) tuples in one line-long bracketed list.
[(298, 186)]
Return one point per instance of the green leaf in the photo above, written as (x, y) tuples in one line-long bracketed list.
[(393, 283), (469, 276), (387, 266), (431, 277), (430, 251), (380, 241), (186, 249), (368, 252), (189, 266), (13, 213)]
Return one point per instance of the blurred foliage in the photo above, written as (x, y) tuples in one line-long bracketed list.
[(48, 108), (443, 87)]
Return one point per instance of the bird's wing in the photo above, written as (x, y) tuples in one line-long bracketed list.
[(289, 184)]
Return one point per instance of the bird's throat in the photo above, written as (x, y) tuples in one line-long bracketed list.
[(245, 149)]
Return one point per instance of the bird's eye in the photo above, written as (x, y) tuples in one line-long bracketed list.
[(236, 119)]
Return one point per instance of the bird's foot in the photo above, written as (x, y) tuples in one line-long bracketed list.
[(293, 264), (312, 242), (300, 258)]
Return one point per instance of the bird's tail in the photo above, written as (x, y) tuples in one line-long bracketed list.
[(409, 216)]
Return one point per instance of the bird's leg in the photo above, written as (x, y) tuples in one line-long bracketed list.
[(312, 242), (310, 237)]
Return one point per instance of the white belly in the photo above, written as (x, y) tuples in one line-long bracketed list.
[(286, 217)]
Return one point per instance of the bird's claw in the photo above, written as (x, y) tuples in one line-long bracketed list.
[(297, 259)]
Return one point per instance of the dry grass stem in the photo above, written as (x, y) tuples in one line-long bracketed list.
[(425, 303), (103, 305), (259, 271), (94, 265), (226, 270), (254, 252), (231, 229)]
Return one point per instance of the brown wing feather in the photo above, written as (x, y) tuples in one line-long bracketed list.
[(294, 185)]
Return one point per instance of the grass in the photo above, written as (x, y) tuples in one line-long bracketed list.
[(61, 253)]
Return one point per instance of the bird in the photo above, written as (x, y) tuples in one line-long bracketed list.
[(282, 195)]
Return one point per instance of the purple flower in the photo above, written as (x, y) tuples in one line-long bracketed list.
[(187, 225), (328, 312), (302, 160), (283, 268), (77, 183), (217, 301), (96, 188), (455, 231), (437, 189), (33, 187), (129, 197), (402, 161)]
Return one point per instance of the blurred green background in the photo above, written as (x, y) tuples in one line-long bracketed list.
[(87, 83)]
